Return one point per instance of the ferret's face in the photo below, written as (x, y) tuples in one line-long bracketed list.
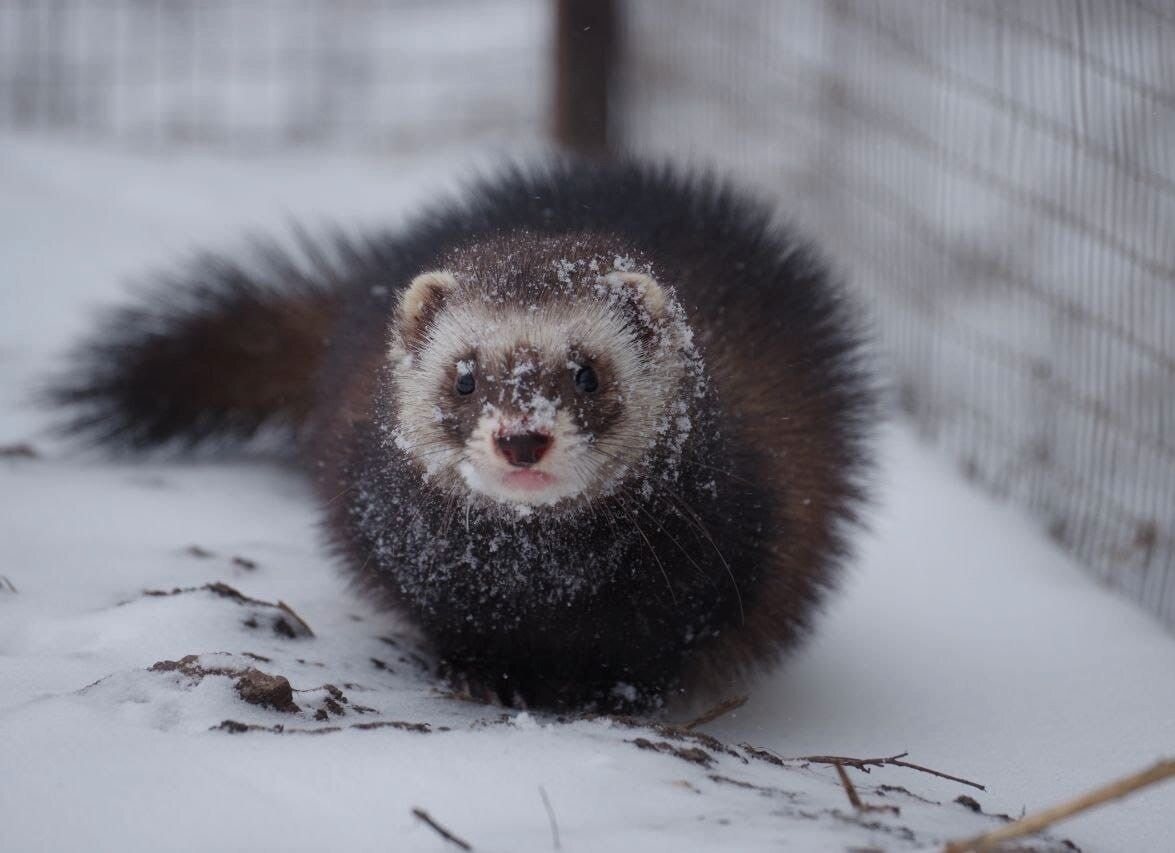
[(540, 400)]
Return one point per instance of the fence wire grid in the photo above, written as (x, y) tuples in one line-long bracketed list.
[(268, 74)]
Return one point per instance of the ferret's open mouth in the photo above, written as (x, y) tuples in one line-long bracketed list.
[(528, 480)]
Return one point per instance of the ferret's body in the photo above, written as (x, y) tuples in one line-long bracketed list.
[(597, 430)]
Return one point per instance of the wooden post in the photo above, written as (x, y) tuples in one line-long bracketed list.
[(585, 53)]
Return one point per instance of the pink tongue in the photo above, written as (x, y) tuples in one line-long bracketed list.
[(527, 479)]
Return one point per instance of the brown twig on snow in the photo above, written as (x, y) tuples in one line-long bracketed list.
[(850, 789), (1042, 820), (855, 798), (424, 817), (551, 818), (717, 711), (863, 764)]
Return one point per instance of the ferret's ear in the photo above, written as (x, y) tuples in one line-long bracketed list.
[(420, 303), (639, 290)]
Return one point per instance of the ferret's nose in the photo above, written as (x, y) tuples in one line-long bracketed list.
[(523, 448)]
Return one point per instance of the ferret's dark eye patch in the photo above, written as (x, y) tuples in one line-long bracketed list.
[(465, 384), (586, 380)]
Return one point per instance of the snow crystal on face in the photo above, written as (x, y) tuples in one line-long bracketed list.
[(465, 367), (541, 412)]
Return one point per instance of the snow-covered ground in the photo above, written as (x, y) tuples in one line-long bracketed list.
[(963, 637)]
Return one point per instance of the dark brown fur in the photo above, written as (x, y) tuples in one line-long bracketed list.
[(784, 429), (181, 366)]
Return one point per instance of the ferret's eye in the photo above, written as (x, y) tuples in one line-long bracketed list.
[(465, 384), (586, 380)]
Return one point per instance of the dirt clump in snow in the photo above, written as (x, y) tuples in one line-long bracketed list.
[(252, 685), (269, 691)]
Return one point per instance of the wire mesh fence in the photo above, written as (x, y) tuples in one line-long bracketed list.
[(997, 178), (249, 74)]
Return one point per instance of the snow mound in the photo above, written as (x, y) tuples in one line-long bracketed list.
[(156, 693)]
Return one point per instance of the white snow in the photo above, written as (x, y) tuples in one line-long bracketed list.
[(962, 636)]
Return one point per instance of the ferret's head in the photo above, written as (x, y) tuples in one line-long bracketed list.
[(532, 375)]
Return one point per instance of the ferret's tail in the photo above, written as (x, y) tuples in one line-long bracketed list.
[(214, 354)]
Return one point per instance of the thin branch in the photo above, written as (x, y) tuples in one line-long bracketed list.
[(717, 711), (424, 817), (896, 763), (863, 764), (551, 818), (1042, 820), (855, 798), (850, 789)]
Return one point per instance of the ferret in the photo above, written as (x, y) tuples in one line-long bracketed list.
[(600, 430)]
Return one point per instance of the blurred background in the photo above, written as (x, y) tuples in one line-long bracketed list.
[(996, 179)]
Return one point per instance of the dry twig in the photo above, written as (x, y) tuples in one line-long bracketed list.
[(424, 817), (1042, 820), (855, 798), (717, 711), (863, 764)]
